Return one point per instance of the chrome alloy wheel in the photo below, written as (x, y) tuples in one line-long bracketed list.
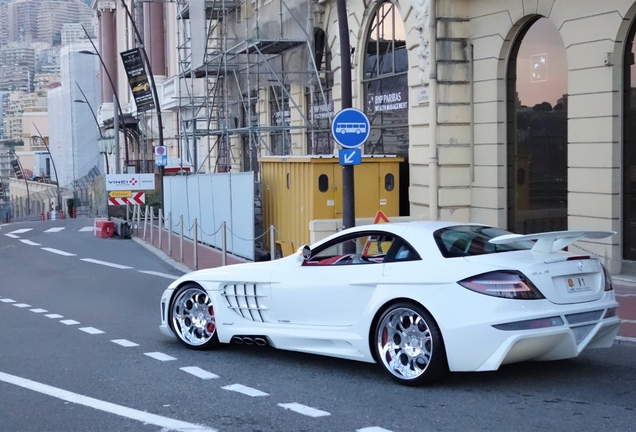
[(192, 317), (405, 343)]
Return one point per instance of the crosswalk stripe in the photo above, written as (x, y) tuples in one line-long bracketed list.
[(54, 230), (104, 263), (125, 343), (58, 252), (198, 372), (85, 229), (304, 410), (160, 356), (244, 390), (30, 243), (91, 330)]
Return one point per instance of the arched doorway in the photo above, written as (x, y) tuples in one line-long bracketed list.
[(537, 130), (385, 87), (629, 154)]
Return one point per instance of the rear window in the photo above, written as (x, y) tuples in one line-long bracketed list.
[(470, 240)]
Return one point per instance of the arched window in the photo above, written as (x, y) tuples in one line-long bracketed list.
[(385, 83), (629, 155), (537, 130)]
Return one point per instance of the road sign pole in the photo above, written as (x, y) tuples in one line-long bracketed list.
[(348, 183)]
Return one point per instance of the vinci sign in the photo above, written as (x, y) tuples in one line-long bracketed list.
[(128, 182)]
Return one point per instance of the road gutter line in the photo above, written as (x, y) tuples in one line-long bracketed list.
[(100, 405)]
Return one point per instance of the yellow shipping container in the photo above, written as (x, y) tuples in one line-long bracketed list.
[(298, 189)]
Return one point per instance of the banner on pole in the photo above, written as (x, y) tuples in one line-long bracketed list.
[(137, 79)]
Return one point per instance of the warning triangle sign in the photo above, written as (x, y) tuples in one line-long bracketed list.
[(380, 218)]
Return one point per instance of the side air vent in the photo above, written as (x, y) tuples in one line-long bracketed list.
[(247, 300)]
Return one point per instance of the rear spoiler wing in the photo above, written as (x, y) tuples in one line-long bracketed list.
[(550, 242)]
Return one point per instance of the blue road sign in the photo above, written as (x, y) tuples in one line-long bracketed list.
[(161, 156), (350, 156), (350, 128)]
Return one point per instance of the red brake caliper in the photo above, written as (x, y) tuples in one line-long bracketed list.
[(211, 326)]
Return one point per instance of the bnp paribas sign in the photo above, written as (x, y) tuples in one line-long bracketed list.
[(130, 182)]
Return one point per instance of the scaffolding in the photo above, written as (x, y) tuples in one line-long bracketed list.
[(244, 68)]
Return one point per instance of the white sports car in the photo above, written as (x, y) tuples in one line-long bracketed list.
[(420, 298)]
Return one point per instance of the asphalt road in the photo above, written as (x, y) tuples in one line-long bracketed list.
[(83, 375)]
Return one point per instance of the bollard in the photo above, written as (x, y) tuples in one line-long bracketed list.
[(181, 235), (61, 214), (152, 225), (42, 216), (196, 244), (272, 243), (145, 222), (160, 230), (170, 234), (223, 244), (138, 218)]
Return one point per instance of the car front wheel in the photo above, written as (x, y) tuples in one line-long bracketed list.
[(409, 345), (192, 318)]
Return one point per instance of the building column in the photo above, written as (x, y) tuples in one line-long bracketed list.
[(154, 36), (108, 51)]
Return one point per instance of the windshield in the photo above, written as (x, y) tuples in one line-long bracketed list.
[(470, 240)]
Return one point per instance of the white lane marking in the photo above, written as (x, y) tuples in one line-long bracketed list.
[(12, 235), (372, 429), (122, 411), (104, 263), (160, 356), (54, 230), (244, 390), (21, 231), (625, 321), (54, 316), (154, 273), (625, 295), (625, 338), (22, 305), (198, 372), (30, 243), (304, 410), (69, 322), (59, 252), (86, 229), (125, 343), (7, 300), (38, 310), (91, 330)]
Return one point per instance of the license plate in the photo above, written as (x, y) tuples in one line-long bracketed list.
[(576, 284)]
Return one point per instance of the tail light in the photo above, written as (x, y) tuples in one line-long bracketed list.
[(505, 284), (608, 280)]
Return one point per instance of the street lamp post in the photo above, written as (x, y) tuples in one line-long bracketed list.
[(101, 135), (116, 106)]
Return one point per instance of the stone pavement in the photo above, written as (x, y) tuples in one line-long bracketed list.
[(208, 257)]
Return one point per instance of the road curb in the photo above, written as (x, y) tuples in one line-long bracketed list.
[(624, 340)]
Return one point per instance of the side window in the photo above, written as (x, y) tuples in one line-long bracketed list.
[(401, 251), (359, 248)]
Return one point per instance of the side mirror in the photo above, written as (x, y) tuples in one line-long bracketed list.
[(305, 252)]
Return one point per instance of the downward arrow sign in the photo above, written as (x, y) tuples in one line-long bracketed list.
[(349, 157)]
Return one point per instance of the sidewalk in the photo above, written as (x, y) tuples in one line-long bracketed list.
[(208, 257)]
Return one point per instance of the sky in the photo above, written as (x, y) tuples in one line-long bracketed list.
[(542, 65)]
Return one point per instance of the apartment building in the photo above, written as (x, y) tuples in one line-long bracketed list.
[(42, 20), (18, 103), (17, 67)]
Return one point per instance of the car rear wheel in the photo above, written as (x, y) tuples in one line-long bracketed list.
[(409, 345), (192, 318)]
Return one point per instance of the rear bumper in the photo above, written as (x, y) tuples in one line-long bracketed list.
[(552, 343)]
